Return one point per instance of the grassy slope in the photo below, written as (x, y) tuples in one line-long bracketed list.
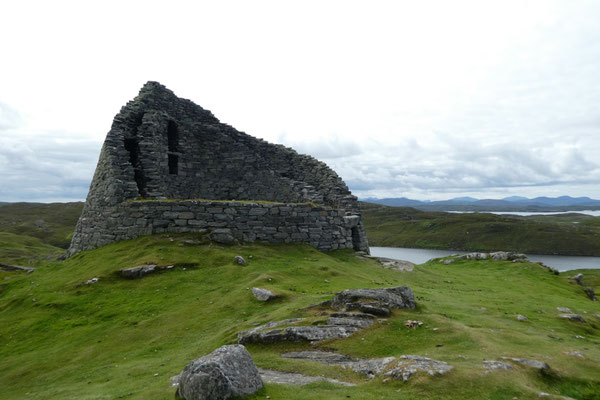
[(120, 337), (408, 227)]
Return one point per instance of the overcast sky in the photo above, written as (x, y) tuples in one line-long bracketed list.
[(422, 99)]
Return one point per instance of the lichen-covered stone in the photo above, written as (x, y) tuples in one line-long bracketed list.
[(397, 297), (228, 372), (161, 147)]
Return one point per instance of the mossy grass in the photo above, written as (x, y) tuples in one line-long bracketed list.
[(121, 337)]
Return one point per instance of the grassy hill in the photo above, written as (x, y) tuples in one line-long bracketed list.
[(117, 338), (52, 223), (566, 234), (30, 232)]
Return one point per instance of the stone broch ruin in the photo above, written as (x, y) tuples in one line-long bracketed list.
[(168, 165)]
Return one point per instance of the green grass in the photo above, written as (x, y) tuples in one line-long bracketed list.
[(568, 234), (127, 337)]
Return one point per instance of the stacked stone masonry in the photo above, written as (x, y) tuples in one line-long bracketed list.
[(162, 147), (322, 227)]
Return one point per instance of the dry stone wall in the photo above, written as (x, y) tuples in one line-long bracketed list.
[(325, 228), (163, 147)]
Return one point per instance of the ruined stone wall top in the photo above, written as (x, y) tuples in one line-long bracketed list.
[(161, 146)]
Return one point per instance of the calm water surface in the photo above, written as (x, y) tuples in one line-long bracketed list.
[(419, 256), (594, 213)]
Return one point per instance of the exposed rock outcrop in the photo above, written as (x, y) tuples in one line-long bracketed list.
[(408, 365), (541, 365), (142, 270), (290, 378), (397, 297)]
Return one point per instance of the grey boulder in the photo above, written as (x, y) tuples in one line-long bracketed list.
[(240, 260), (396, 297), (228, 372), (263, 294)]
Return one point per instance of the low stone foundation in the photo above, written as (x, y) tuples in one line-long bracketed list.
[(322, 227)]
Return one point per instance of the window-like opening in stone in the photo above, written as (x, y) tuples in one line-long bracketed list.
[(173, 136), (356, 242), (133, 147), (173, 161)]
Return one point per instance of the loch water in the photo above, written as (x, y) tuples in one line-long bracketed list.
[(420, 256)]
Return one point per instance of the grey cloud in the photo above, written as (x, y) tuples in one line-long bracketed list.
[(452, 163), (328, 147), (45, 166)]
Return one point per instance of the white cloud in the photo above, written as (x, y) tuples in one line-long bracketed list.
[(426, 99)]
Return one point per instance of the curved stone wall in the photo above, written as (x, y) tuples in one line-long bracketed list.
[(325, 228), (164, 147)]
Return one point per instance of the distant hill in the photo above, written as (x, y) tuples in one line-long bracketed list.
[(52, 226), (513, 203), (564, 234)]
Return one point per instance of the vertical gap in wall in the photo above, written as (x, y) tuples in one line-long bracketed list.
[(133, 147), (173, 136), (173, 147), (355, 238), (173, 161)]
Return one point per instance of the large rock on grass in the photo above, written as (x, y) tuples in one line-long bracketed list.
[(228, 372), (396, 297), (263, 294)]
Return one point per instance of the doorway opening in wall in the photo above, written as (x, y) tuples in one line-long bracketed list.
[(355, 238)]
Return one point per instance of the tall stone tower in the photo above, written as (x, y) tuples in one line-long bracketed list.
[(168, 165)]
